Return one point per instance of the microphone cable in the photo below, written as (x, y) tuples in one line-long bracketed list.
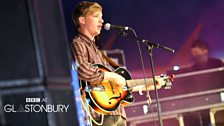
[(149, 100)]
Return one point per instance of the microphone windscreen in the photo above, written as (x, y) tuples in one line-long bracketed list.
[(107, 26)]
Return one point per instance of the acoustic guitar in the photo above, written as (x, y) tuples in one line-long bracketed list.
[(106, 96)]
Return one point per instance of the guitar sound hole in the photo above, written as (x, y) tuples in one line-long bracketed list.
[(116, 97)]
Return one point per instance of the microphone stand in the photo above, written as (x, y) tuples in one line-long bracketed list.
[(150, 47)]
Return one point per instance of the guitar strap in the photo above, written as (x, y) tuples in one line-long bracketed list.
[(110, 61)]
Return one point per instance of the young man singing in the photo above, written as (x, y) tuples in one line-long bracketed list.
[(87, 17)]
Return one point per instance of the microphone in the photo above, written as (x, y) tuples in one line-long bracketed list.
[(108, 26)]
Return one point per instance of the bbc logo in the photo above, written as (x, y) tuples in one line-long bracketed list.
[(32, 99)]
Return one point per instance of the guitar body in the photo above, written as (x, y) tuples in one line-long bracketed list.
[(107, 96)]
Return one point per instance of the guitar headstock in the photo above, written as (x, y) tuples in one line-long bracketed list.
[(168, 81)]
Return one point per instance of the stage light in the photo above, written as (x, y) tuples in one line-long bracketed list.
[(176, 68)]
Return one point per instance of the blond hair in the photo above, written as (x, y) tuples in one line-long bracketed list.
[(84, 8)]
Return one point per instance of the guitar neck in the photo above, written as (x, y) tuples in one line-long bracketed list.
[(138, 82)]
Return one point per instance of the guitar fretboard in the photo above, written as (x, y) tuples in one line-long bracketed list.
[(138, 82)]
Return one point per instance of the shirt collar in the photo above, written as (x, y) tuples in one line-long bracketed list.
[(86, 38)]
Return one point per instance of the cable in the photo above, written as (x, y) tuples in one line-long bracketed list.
[(86, 108), (144, 73)]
